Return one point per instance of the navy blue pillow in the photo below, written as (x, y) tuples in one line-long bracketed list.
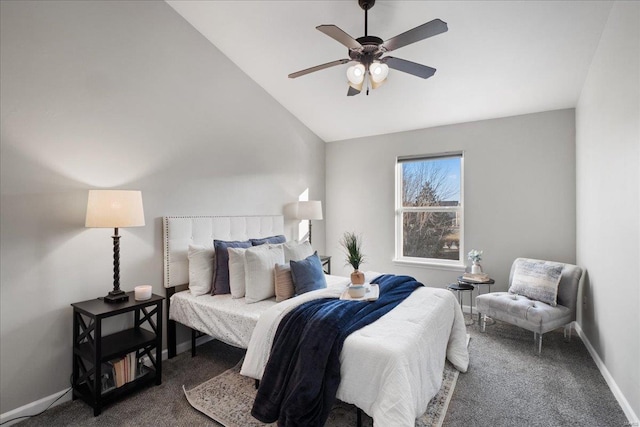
[(273, 240), (307, 274), (220, 283)]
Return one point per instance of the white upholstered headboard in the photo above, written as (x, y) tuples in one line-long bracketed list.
[(178, 232)]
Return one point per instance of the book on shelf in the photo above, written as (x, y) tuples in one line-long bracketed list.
[(125, 369), (133, 360), (118, 368), (479, 277)]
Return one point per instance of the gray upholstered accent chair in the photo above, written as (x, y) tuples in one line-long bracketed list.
[(530, 314)]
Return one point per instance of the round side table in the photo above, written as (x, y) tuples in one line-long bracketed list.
[(488, 283), (460, 289)]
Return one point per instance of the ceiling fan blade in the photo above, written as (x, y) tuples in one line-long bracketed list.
[(318, 68), (430, 29), (409, 67), (340, 36), (352, 91)]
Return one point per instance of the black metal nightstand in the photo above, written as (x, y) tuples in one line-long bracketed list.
[(487, 283), (460, 289), (92, 352)]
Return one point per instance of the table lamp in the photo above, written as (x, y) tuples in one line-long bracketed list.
[(115, 209), (309, 210)]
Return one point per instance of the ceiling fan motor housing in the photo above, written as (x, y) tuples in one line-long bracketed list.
[(366, 4), (371, 50)]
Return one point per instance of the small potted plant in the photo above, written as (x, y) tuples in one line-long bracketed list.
[(475, 257), (351, 243)]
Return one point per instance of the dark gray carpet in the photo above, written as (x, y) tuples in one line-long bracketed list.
[(507, 384), (163, 405)]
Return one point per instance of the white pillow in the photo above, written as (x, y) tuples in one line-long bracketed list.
[(297, 251), (259, 263), (200, 269), (236, 272)]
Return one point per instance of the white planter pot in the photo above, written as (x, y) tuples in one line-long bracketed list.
[(476, 268)]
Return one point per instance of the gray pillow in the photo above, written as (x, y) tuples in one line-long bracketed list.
[(537, 280)]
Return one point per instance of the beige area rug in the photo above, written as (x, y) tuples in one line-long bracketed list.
[(228, 399)]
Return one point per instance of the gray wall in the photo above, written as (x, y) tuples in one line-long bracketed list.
[(608, 194), (519, 192), (128, 95), (119, 95)]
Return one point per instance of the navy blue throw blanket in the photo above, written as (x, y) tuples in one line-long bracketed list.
[(300, 381)]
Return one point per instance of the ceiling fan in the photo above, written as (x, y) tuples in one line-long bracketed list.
[(367, 51)]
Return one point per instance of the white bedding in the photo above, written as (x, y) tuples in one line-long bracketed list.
[(230, 320), (392, 367)]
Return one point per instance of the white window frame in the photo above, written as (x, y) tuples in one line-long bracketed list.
[(400, 210)]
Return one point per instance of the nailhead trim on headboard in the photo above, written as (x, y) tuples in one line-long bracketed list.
[(180, 231)]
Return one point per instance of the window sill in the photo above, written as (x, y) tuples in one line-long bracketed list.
[(429, 264)]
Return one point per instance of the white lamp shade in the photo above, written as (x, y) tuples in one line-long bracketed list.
[(114, 209), (355, 74), (311, 209)]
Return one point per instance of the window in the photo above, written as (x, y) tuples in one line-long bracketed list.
[(429, 209)]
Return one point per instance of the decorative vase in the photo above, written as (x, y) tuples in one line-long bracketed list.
[(357, 278), (476, 268)]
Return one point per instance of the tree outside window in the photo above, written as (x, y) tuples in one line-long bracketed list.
[(429, 211)]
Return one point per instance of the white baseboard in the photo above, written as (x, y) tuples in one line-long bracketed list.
[(617, 393), (33, 408)]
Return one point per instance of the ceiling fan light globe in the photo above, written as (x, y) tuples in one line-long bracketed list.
[(355, 74), (357, 86), (379, 72), (376, 85)]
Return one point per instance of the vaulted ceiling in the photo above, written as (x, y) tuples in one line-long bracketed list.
[(499, 58)]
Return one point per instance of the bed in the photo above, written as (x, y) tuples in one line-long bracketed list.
[(229, 320), (406, 348)]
